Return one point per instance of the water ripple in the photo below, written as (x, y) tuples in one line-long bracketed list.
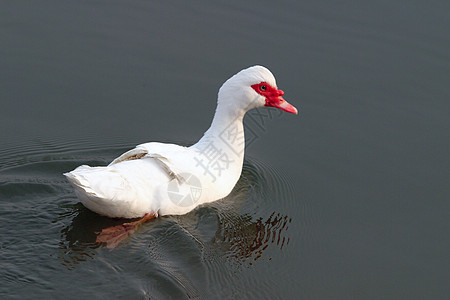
[(174, 255)]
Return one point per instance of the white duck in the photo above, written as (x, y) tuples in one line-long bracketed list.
[(156, 179)]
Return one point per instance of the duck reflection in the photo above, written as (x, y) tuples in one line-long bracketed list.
[(247, 239), (231, 227), (79, 239), (240, 237)]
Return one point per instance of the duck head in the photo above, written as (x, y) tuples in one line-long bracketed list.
[(252, 88)]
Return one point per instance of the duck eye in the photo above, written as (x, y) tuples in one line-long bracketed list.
[(263, 88)]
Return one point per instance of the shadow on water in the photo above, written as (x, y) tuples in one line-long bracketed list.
[(78, 240)]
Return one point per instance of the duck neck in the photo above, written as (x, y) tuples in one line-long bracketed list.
[(225, 135)]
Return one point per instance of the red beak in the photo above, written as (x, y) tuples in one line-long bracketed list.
[(275, 100), (273, 97)]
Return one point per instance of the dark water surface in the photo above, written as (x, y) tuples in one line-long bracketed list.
[(350, 199)]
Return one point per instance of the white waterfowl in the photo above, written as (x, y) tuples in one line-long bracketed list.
[(156, 179)]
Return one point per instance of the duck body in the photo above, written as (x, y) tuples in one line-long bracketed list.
[(152, 178), (168, 179)]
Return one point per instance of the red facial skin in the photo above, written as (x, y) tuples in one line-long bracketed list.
[(273, 97)]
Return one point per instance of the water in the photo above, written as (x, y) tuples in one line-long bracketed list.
[(347, 200)]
